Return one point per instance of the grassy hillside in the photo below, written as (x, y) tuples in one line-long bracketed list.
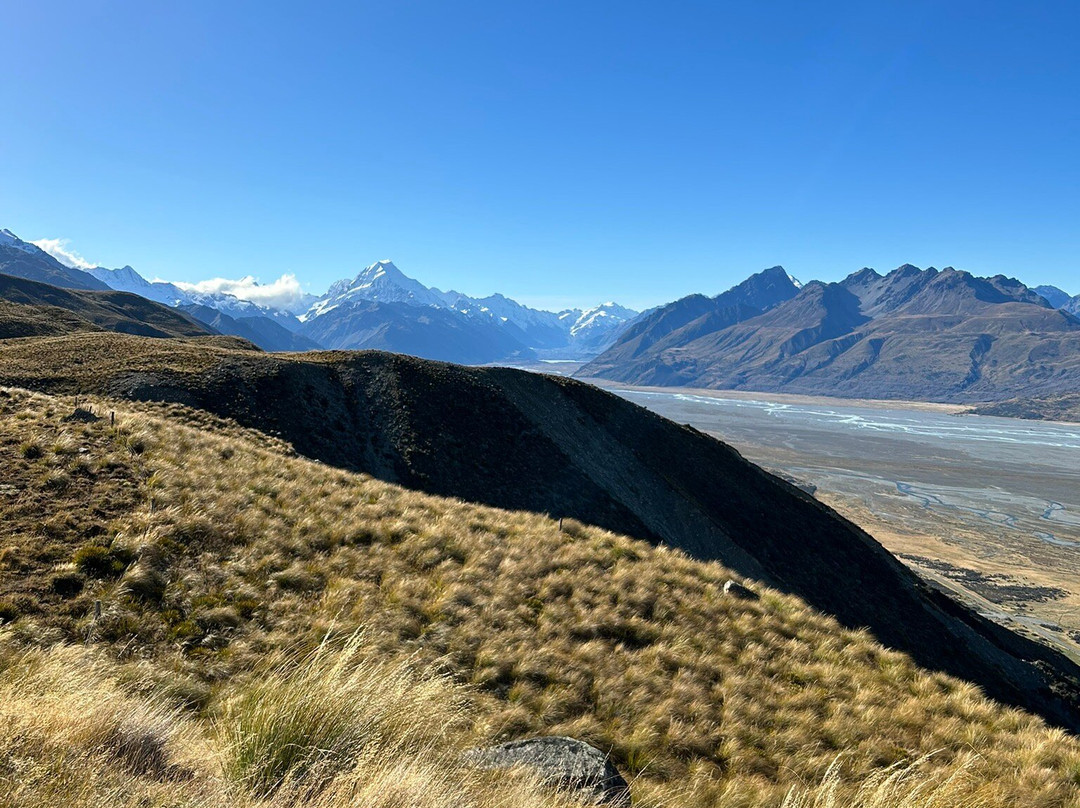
[(524, 441), (220, 560), (29, 308)]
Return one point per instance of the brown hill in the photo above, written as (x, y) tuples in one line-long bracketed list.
[(29, 308), (530, 442), (1064, 407)]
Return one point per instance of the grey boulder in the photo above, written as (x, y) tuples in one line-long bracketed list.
[(564, 763), (737, 590)]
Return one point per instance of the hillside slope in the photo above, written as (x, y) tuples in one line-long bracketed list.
[(530, 442), (30, 309), (220, 560), (1064, 407)]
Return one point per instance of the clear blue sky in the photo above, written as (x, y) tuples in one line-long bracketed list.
[(559, 152)]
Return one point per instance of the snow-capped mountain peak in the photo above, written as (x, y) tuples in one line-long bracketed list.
[(602, 317), (127, 279), (381, 282), (567, 333), (9, 239)]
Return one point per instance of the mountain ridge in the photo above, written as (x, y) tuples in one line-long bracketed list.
[(25, 260), (936, 335), (31, 309), (571, 332)]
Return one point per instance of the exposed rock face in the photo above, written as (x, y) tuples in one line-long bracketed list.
[(564, 763)]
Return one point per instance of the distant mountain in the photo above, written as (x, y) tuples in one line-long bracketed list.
[(31, 309), (1054, 296), (593, 330), (922, 334), (540, 330), (1060, 299), (344, 318), (127, 279), (426, 331), (270, 329), (382, 282), (22, 259), (259, 330), (688, 319), (465, 329)]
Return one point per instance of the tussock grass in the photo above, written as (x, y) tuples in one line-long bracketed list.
[(905, 785), (703, 699), (72, 735), (300, 726)]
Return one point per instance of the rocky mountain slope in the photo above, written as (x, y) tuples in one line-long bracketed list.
[(920, 334), (690, 317), (24, 260), (530, 442)]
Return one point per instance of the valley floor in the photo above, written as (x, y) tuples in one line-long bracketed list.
[(986, 507)]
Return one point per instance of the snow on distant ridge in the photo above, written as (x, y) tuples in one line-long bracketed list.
[(9, 239), (603, 316), (381, 282), (127, 279)]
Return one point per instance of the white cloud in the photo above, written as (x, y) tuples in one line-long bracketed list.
[(284, 293), (58, 249)]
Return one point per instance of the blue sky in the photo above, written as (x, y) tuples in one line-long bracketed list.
[(560, 152)]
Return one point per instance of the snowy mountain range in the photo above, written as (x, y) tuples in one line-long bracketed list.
[(344, 318), (127, 279), (379, 308)]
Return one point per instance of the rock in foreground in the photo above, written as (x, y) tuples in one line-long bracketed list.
[(564, 763)]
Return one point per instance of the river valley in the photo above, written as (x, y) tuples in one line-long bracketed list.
[(986, 507)]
